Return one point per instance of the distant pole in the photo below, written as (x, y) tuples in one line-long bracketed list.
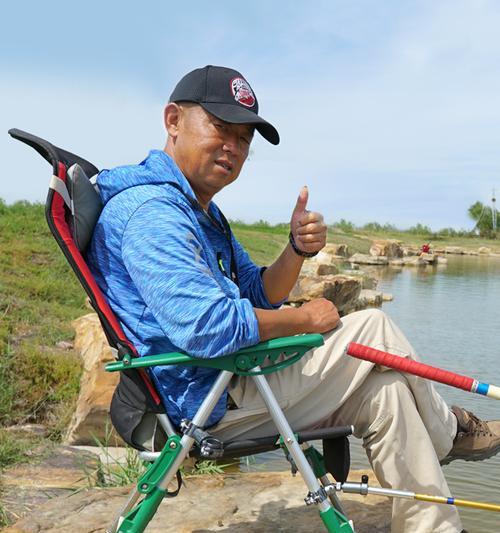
[(493, 212)]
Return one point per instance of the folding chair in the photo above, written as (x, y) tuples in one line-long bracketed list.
[(72, 209)]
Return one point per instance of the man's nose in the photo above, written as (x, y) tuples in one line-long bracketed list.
[(232, 143)]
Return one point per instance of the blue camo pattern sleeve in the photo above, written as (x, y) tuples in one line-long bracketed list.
[(166, 258)]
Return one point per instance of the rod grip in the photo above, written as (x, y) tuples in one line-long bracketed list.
[(408, 365)]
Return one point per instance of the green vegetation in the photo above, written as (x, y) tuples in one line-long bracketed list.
[(39, 298), (485, 218), (112, 473)]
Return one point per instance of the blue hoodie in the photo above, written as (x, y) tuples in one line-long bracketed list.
[(162, 265)]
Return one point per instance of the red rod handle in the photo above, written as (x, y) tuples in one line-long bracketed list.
[(411, 367)]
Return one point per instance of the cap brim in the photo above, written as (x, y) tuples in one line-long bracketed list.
[(236, 114)]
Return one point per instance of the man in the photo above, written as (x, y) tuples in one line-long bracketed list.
[(179, 281)]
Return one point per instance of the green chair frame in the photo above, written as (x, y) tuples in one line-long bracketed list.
[(254, 362)]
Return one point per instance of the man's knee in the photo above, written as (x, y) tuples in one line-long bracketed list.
[(368, 315), (388, 398)]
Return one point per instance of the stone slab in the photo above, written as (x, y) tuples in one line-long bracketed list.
[(235, 503)]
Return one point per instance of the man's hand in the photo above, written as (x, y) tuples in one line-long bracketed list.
[(308, 228), (320, 315), (316, 316)]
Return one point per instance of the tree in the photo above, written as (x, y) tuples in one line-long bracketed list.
[(482, 214)]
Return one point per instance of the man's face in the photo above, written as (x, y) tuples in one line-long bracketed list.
[(209, 151)]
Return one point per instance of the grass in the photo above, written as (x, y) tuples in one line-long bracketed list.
[(113, 473), (39, 297), (4, 519)]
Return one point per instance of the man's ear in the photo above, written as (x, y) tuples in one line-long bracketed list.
[(171, 117)]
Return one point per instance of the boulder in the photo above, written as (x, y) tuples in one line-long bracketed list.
[(454, 250), (429, 259), (414, 261), (91, 417), (397, 262), (343, 291), (410, 250), (442, 260), (484, 250), (371, 298), (339, 250), (386, 248), (231, 503), (314, 268), (364, 259)]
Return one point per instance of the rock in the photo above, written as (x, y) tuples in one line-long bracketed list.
[(410, 250), (364, 259), (397, 262), (91, 417), (386, 248), (64, 345), (429, 259), (442, 260), (371, 297), (59, 473), (232, 503), (484, 250), (313, 268), (327, 270), (343, 291), (454, 250), (413, 261), (367, 281), (387, 297), (37, 430), (339, 250)]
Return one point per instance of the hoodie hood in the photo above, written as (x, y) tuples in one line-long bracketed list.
[(158, 168)]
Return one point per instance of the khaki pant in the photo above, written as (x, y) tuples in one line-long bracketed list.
[(405, 425)]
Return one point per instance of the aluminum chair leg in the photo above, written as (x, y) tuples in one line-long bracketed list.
[(334, 521), (135, 518)]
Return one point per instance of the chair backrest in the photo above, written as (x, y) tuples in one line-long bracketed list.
[(72, 208)]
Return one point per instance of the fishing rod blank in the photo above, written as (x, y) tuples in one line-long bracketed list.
[(363, 488), (423, 370)]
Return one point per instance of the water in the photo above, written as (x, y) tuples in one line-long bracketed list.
[(451, 316)]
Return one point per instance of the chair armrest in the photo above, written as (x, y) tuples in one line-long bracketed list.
[(291, 349)]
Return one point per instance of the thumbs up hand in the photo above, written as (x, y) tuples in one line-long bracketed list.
[(307, 227)]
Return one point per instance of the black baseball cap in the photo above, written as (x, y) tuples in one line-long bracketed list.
[(227, 95)]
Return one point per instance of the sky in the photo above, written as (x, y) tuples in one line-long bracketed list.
[(388, 110)]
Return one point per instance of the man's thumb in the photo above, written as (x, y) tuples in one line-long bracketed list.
[(302, 199)]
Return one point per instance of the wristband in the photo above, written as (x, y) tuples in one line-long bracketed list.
[(297, 250)]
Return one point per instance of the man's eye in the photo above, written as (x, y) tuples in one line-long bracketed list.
[(219, 126)]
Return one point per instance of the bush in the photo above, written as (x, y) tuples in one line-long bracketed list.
[(420, 229), (344, 225)]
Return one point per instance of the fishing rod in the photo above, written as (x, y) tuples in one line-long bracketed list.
[(423, 370), (364, 489)]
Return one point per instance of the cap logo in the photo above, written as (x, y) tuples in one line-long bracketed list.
[(242, 92)]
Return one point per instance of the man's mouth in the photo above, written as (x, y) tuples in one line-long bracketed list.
[(226, 165)]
